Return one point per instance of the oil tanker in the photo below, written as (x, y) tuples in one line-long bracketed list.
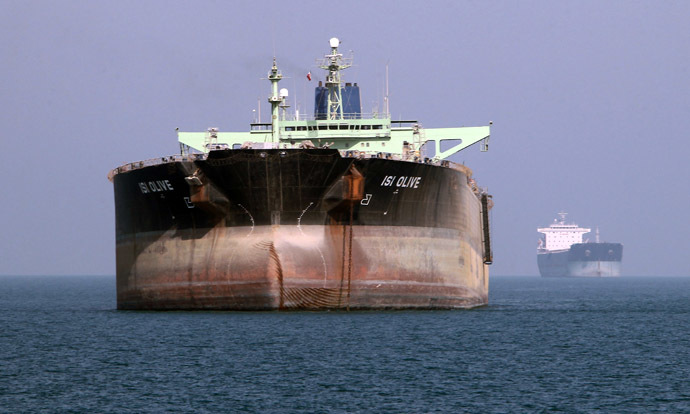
[(562, 252), (339, 210)]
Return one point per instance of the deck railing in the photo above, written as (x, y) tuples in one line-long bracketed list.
[(343, 153), (154, 161)]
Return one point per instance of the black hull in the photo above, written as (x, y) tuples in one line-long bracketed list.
[(280, 229), (277, 190), (582, 260)]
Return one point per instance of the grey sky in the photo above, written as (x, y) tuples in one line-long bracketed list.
[(589, 101)]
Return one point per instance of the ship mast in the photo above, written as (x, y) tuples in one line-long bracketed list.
[(562, 214), (275, 100), (334, 63)]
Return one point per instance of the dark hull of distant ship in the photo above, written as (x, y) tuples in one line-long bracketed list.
[(582, 260), (298, 229)]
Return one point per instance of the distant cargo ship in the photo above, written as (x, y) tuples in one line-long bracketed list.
[(562, 253)]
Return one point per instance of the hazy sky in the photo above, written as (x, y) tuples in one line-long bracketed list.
[(589, 99)]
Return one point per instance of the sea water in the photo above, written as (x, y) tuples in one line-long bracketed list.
[(541, 345)]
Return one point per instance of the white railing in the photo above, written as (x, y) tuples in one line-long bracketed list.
[(355, 116)]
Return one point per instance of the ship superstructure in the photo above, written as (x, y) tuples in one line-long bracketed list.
[(337, 210), (562, 252), (338, 123), (559, 236)]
